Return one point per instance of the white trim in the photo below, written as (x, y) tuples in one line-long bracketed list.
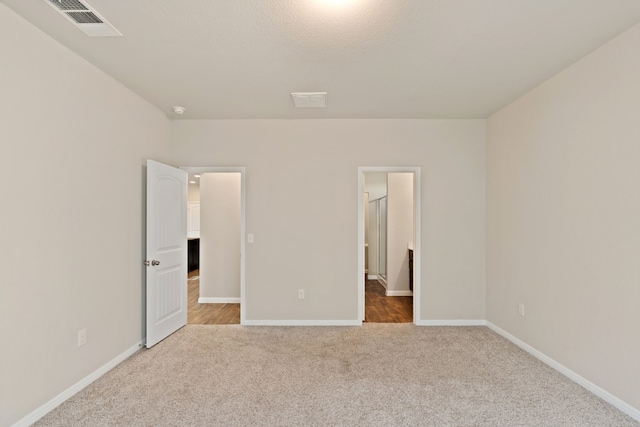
[(453, 322), (593, 388), (302, 322), (68, 393), (372, 276), (211, 300), (398, 293), (417, 221), (243, 214)]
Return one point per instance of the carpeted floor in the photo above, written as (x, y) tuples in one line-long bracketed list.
[(374, 375)]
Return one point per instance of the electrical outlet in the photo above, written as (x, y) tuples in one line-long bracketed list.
[(82, 337), (300, 293), (521, 309)]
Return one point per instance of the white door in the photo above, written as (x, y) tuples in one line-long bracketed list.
[(166, 251)]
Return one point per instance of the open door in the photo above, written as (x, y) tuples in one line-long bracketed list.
[(166, 251)]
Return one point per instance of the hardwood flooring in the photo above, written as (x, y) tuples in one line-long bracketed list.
[(379, 308), (208, 314)]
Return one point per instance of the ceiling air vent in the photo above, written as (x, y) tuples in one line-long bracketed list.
[(84, 17), (68, 5), (309, 99)]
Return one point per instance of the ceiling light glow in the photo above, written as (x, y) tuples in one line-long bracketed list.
[(335, 4)]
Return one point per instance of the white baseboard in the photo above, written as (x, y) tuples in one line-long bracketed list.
[(593, 388), (68, 393), (302, 322), (218, 300), (453, 322), (372, 277), (398, 293)]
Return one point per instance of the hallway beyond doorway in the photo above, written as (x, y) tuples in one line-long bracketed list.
[(380, 308), (208, 314)]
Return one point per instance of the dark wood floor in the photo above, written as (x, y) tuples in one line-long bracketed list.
[(208, 314), (379, 308)]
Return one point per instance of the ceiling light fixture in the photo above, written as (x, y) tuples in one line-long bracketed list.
[(196, 176), (179, 110), (192, 182)]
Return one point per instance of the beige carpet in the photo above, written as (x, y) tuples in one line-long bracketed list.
[(374, 375)]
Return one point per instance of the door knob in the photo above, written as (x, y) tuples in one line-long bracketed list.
[(154, 262)]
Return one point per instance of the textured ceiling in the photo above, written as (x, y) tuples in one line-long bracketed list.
[(375, 58)]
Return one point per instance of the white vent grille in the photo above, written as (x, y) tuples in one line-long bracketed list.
[(309, 99), (68, 5), (84, 17)]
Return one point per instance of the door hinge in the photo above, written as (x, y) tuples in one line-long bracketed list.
[(147, 263)]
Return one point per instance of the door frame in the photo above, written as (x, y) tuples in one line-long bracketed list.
[(242, 171), (417, 220)]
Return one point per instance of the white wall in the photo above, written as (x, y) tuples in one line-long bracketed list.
[(365, 208), (563, 170), (193, 193), (375, 183), (302, 186), (73, 143), (373, 237), (220, 203), (400, 231)]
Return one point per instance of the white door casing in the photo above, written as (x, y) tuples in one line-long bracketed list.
[(166, 251)]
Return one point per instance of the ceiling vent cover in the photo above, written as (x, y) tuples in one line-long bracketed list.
[(309, 99), (84, 17), (68, 5)]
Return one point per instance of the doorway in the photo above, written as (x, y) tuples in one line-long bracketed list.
[(217, 285), (389, 244)]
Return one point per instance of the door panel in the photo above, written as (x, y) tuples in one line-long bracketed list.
[(166, 251)]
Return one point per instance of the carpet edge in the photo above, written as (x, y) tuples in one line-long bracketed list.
[(51, 404), (573, 376)]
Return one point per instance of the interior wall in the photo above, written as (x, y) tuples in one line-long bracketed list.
[(73, 145), (220, 220), (400, 230), (563, 217), (365, 209), (302, 181), (373, 238), (193, 193), (375, 183)]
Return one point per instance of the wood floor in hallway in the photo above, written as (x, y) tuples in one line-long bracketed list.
[(208, 314), (379, 308)]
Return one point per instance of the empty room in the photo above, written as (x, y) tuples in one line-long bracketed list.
[(514, 126)]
